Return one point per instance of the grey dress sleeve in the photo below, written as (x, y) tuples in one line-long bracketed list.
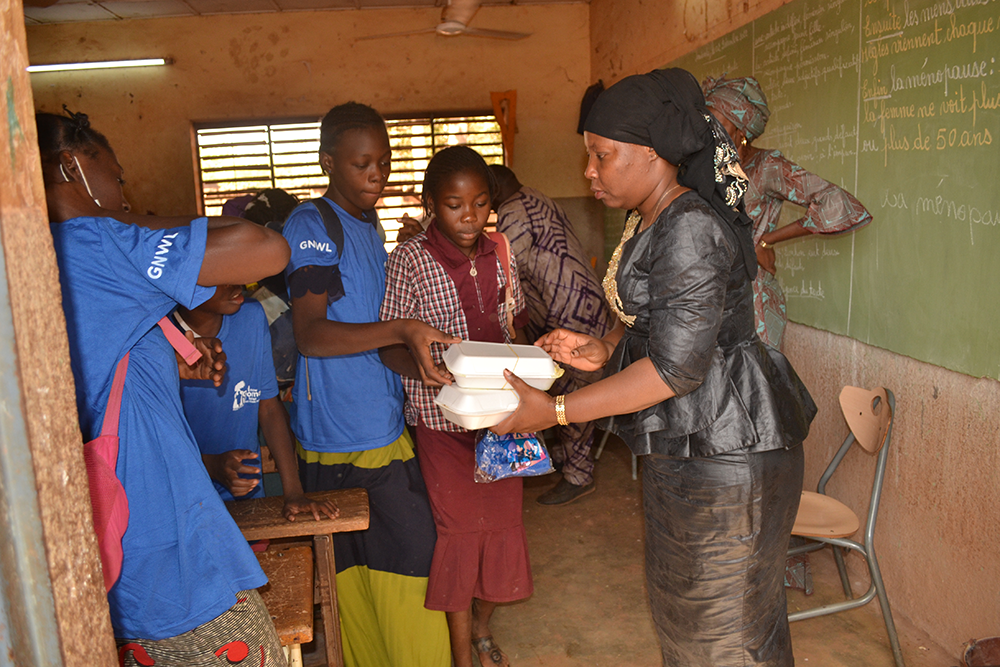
[(690, 260)]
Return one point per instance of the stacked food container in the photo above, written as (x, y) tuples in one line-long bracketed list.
[(480, 396)]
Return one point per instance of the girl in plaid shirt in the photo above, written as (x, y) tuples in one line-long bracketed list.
[(452, 277)]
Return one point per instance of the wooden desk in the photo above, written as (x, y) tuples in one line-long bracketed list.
[(260, 518)]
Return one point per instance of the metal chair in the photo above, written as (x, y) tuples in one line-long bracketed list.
[(826, 521), (600, 450)]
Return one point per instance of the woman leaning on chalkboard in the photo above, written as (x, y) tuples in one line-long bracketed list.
[(741, 107)]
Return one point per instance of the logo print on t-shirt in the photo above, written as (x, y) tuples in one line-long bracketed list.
[(159, 262), (242, 394), (318, 245)]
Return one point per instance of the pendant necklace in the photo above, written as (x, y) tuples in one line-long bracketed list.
[(479, 295)]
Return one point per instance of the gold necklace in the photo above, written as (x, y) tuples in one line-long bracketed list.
[(610, 282)]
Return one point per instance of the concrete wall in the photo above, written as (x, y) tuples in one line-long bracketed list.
[(939, 525), (261, 66)]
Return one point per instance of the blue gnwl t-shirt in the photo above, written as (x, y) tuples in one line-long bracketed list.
[(225, 418), (184, 558), (357, 403)]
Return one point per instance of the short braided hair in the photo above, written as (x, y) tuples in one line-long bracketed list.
[(345, 117), (454, 160)]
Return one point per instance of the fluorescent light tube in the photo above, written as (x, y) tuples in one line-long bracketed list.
[(107, 64)]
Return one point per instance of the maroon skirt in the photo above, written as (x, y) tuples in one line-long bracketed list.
[(482, 548)]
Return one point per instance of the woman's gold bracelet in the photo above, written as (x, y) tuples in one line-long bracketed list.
[(561, 410)]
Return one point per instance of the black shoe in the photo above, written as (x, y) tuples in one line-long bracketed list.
[(565, 492)]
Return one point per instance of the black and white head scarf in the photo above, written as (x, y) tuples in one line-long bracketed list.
[(665, 110)]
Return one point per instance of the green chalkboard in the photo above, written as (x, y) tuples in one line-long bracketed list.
[(897, 101)]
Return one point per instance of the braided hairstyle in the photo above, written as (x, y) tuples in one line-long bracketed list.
[(71, 132), (448, 162), (345, 117)]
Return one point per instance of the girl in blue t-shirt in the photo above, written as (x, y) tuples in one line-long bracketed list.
[(185, 566), (225, 418)]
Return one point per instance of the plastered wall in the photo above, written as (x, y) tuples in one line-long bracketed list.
[(631, 36), (261, 66), (939, 523)]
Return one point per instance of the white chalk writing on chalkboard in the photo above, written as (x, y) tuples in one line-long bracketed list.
[(803, 290), (898, 101)]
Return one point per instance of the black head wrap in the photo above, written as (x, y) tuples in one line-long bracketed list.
[(665, 110)]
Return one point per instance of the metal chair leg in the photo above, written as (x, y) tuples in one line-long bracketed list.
[(600, 447), (883, 601), (845, 581)]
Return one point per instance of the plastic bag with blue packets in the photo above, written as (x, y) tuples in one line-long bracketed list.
[(511, 455)]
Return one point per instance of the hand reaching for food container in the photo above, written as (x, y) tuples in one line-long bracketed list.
[(578, 350)]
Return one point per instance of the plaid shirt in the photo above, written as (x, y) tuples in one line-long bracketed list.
[(418, 287)]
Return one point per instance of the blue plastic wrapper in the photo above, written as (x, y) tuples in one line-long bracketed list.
[(511, 455)]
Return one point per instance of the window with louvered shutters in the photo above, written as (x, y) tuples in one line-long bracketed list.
[(240, 159)]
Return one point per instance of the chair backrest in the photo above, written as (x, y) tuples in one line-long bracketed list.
[(868, 414)]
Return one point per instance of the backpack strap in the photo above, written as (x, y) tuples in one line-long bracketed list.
[(503, 247), (334, 227)]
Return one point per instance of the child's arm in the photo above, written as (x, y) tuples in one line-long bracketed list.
[(402, 303), (278, 435), (399, 360), (226, 469), (317, 336), (237, 251)]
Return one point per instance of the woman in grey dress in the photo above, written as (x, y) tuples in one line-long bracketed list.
[(718, 416)]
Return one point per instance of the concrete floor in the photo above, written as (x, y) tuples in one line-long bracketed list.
[(589, 607)]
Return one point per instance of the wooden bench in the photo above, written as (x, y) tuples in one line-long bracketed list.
[(288, 596), (261, 518)]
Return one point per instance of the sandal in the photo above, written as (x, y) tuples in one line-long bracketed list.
[(486, 646)]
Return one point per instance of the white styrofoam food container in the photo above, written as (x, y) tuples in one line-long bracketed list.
[(476, 408), (481, 365)]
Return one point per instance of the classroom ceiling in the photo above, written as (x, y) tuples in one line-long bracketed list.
[(66, 11)]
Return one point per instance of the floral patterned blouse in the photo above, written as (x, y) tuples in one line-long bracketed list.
[(774, 179)]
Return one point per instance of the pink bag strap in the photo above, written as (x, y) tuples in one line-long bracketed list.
[(502, 242), (179, 342), (110, 425)]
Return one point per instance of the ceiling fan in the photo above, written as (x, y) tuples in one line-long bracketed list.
[(455, 19)]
